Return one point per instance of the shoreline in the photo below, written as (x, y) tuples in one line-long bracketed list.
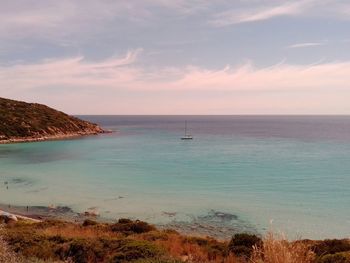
[(40, 214), (43, 213), (214, 224), (53, 137), (126, 240), (196, 227), (21, 217)]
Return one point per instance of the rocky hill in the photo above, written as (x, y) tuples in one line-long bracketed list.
[(21, 121)]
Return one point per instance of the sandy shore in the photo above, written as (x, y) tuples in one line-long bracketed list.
[(41, 213)]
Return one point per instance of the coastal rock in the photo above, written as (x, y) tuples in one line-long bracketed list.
[(7, 218)]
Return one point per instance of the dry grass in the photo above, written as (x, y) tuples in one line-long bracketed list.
[(101, 240), (77, 231), (179, 248), (6, 254), (233, 259), (276, 249), (191, 249)]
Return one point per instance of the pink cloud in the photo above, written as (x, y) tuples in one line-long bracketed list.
[(282, 77), (237, 16), (283, 88)]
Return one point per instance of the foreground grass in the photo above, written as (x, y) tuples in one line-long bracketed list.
[(136, 241)]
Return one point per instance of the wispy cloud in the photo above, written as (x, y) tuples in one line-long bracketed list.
[(307, 44), (113, 72), (182, 6), (282, 77), (268, 9), (80, 78), (67, 19), (73, 72), (43, 18), (237, 16), (130, 58)]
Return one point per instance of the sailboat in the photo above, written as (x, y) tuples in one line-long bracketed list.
[(186, 136)]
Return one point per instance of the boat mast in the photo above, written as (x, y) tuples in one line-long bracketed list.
[(185, 127)]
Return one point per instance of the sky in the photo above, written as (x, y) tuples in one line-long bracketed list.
[(177, 56)]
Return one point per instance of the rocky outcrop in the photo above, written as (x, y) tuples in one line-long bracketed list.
[(21, 121), (7, 218)]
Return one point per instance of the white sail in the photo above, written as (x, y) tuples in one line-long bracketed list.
[(186, 136)]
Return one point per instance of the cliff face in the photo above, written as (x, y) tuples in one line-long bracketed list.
[(21, 121)]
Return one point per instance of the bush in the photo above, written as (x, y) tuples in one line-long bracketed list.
[(30, 244), (158, 260), (89, 222), (242, 244), (335, 258), (83, 250), (124, 221), (130, 227), (331, 246), (212, 247), (133, 250)]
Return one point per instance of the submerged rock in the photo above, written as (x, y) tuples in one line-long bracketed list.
[(91, 213), (219, 216)]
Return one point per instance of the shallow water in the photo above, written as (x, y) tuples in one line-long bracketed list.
[(238, 174)]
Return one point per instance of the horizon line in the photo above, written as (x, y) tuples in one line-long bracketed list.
[(296, 115)]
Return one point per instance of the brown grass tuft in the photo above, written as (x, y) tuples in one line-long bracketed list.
[(6, 254), (77, 231), (276, 249)]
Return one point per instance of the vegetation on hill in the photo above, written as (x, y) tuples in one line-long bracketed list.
[(21, 120), (139, 242)]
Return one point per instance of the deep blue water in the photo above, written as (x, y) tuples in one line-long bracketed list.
[(239, 173)]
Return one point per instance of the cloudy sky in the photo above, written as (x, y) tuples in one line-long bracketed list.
[(177, 56)]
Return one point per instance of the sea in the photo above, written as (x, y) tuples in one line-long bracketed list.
[(287, 174)]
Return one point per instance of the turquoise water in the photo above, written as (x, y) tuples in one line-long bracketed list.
[(239, 173)]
